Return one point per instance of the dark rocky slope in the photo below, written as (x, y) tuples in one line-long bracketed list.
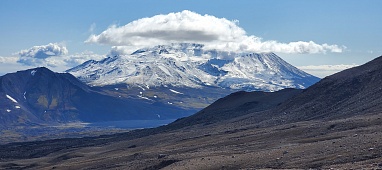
[(236, 105), (355, 91)]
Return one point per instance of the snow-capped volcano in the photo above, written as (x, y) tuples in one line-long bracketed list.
[(189, 65)]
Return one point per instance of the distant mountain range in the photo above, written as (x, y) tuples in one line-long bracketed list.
[(190, 65)]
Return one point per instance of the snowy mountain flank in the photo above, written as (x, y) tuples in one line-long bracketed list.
[(189, 65)]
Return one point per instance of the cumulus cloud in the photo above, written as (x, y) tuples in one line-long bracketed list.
[(67, 61), (44, 51), (187, 26), (50, 55), (325, 70), (121, 50), (39, 54)]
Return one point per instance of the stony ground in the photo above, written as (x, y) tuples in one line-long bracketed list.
[(352, 143)]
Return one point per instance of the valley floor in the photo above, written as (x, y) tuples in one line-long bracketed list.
[(41, 132), (352, 143)]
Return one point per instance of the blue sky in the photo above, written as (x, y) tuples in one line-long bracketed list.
[(354, 26)]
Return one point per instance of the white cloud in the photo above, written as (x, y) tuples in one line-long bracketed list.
[(325, 70), (187, 26), (68, 61), (10, 59), (44, 51), (38, 55), (121, 50), (9, 64), (53, 55)]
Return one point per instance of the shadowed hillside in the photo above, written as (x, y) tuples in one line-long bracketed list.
[(236, 105), (41, 96)]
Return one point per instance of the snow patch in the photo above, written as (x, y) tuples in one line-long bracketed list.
[(143, 97), (33, 72), (12, 99), (174, 91), (165, 70), (142, 88)]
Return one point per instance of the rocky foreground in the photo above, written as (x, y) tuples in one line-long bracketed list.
[(352, 143)]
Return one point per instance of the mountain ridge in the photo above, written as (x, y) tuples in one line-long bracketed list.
[(189, 65)]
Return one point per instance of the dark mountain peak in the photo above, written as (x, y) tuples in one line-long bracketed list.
[(40, 95), (32, 71), (38, 75)]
